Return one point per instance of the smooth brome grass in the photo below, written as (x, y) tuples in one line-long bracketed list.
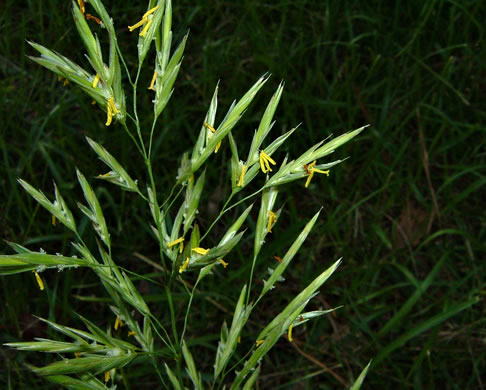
[(91, 357)]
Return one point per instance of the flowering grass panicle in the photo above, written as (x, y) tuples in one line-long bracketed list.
[(91, 356)]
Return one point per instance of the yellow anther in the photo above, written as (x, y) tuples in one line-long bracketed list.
[(118, 323), (104, 174), (321, 171), (184, 266), (265, 161), (77, 355), (180, 240), (132, 333), (310, 172), (217, 147), (107, 376), (200, 251), (239, 339), (137, 25), (53, 220), (39, 281), (259, 342), (109, 115), (145, 19), (242, 176), (272, 218), (111, 110), (225, 264), (150, 11), (81, 6), (93, 102), (145, 29), (96, 80), (213, 130), (208, 126), (175, 242), (66, 82), (152, 83), (289, 334)]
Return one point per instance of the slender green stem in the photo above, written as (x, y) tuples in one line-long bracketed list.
[(132, 138), (168, 197), (151, 136), (123, 62), (179, 370), (135, 112), (172, 315), (154, 362), (186, 317), (172, 201), (251, 279), (131, 117), (167, 342), (245, 198), (223, 210), (143, 196), (258, 299), (174, 331)]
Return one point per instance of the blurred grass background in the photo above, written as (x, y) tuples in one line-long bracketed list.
[(405, 211)]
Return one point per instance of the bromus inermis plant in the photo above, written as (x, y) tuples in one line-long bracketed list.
[(91, 357)]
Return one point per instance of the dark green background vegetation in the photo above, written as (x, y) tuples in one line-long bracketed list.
[(405, 211)]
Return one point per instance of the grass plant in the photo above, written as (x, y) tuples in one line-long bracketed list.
[(160, 341), (405, 213)]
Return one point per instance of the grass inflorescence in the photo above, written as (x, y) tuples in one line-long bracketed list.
[(404, 212)]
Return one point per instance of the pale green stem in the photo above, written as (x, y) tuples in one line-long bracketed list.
[(172, 316), (186, 317), (146, 157), (167, 342), (134, 86), (132, 138), (176, 337), (245, 198), (251, 279), (172, 201), (123, 62), (154, 362), (151, 137), (131, 117), (177, 350), (174, 331), (224, 209), (135, 112)]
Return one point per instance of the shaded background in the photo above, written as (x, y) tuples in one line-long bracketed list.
[(405, 211)]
